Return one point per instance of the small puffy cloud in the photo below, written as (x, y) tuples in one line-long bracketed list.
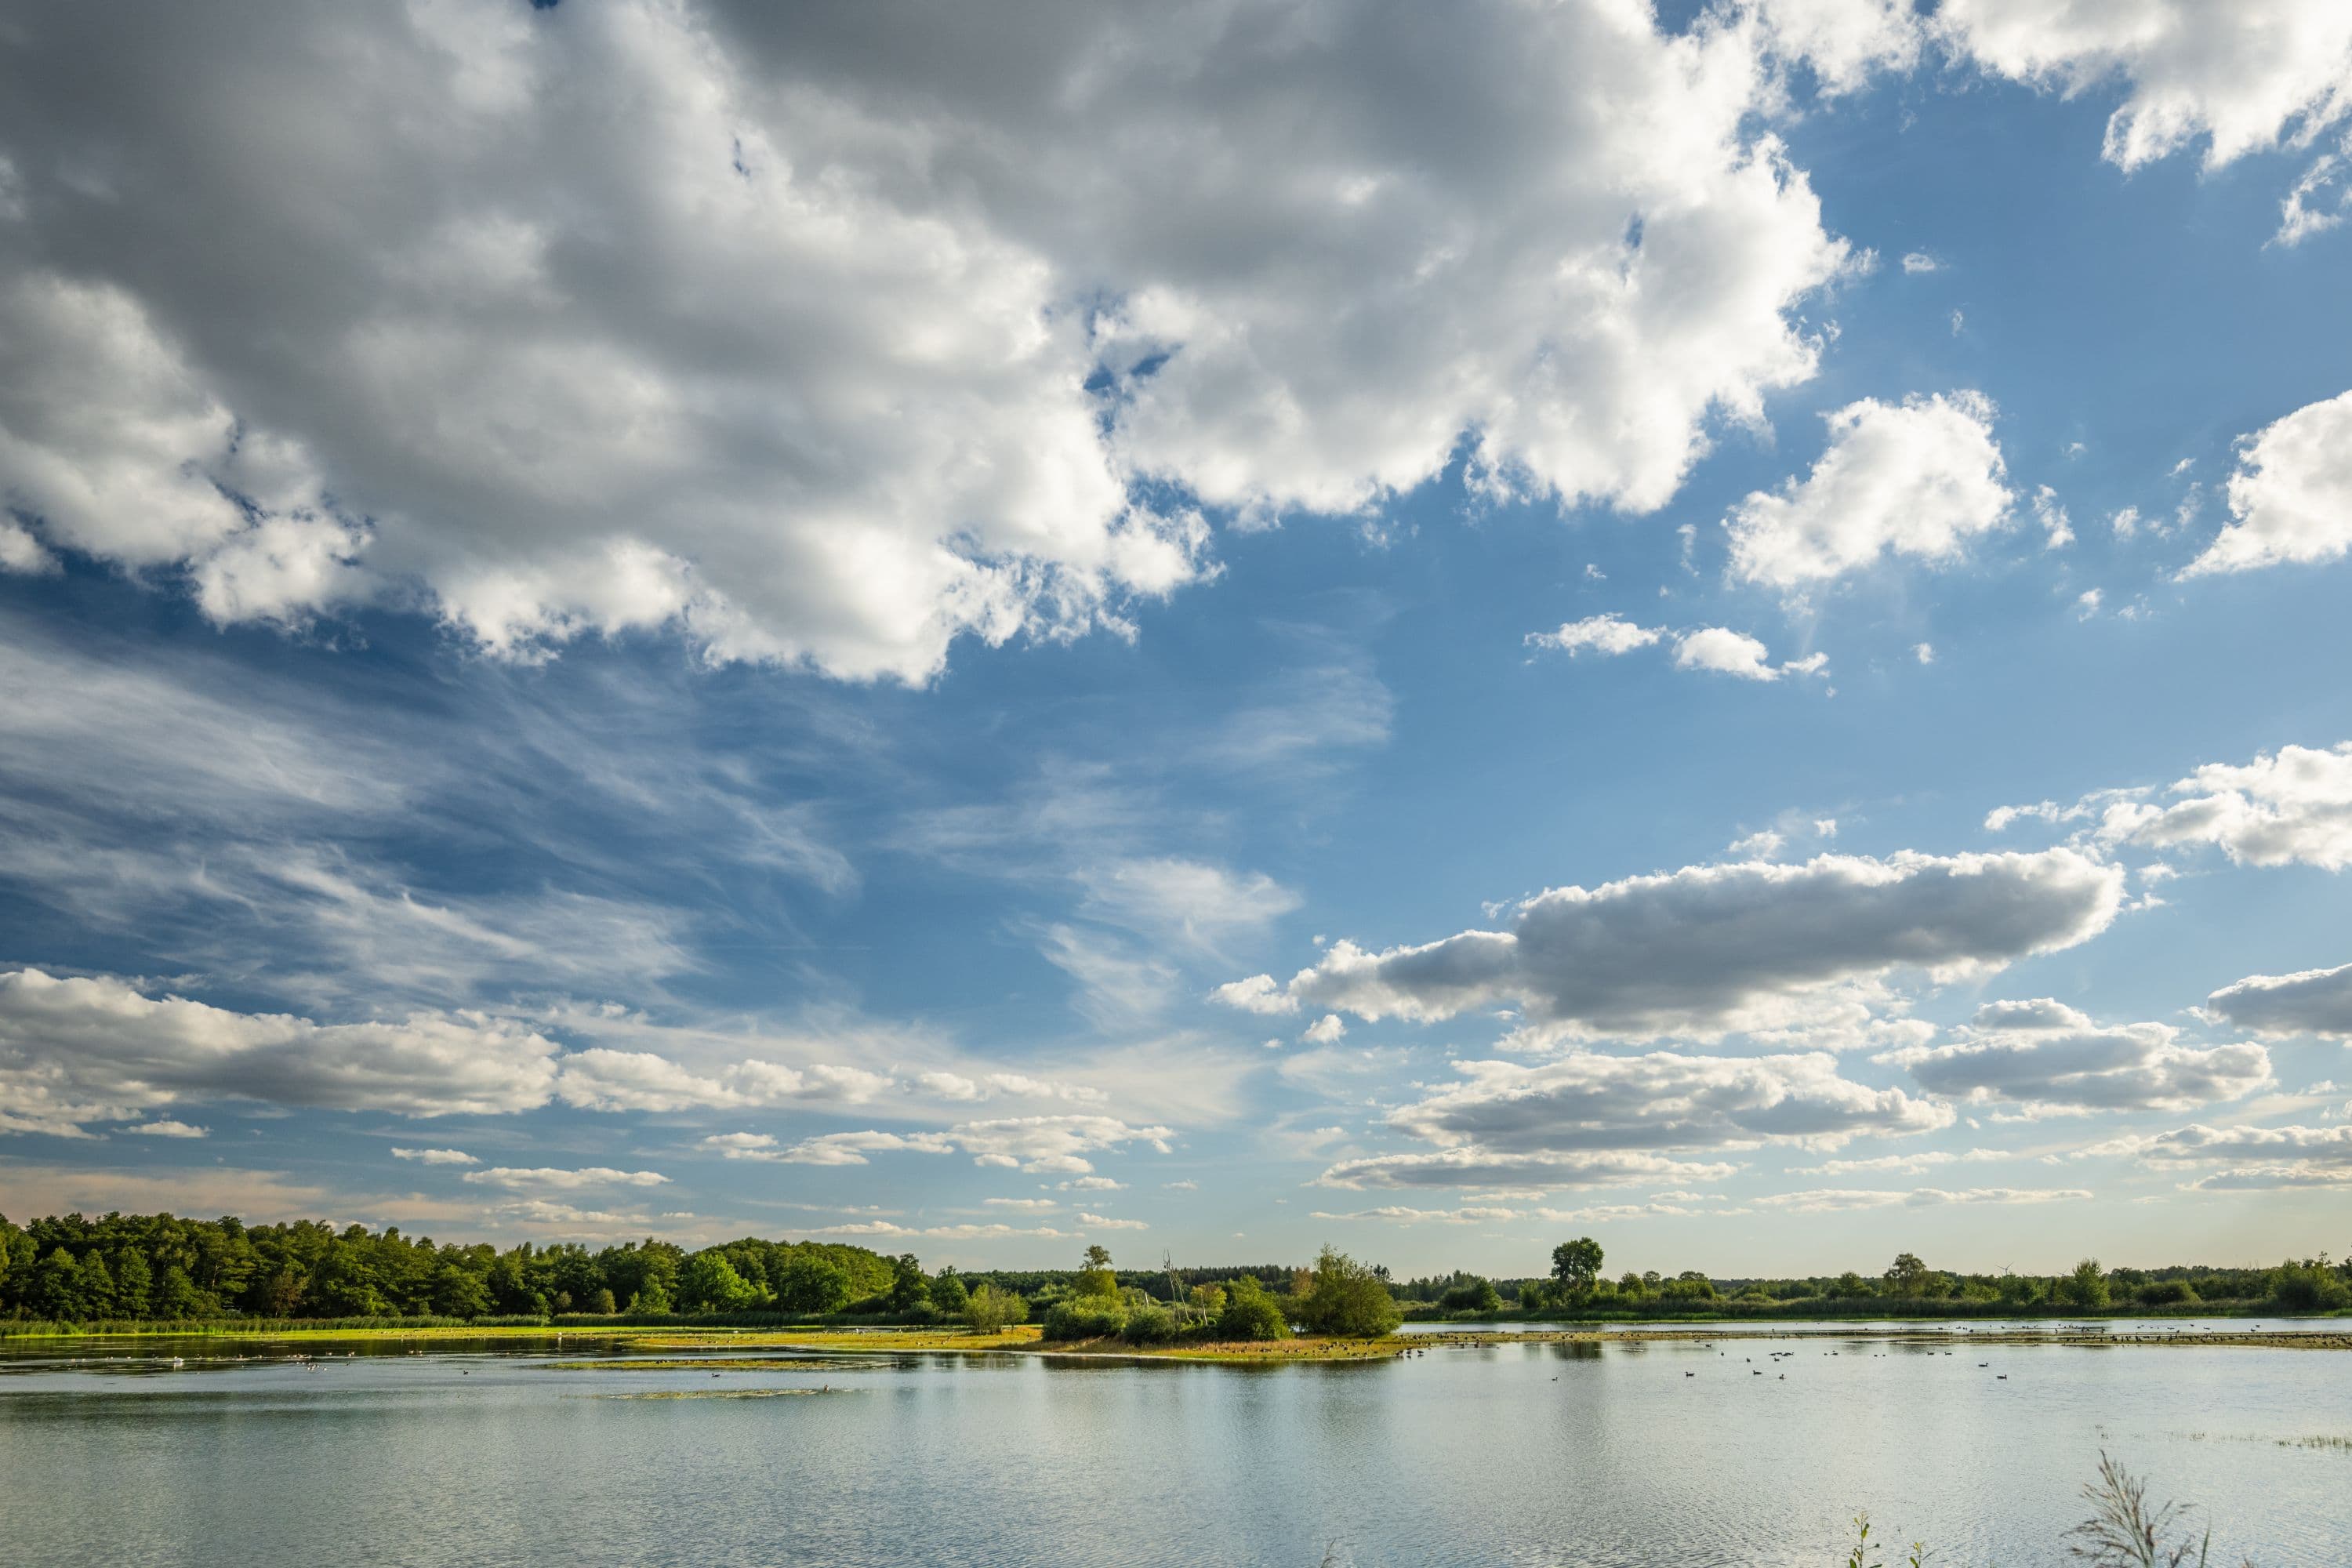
[(1715, 649), (2290, 493), (1539, 1172), (2283, 808), (1922, 478), (169, 1130), (1607, 634), (1027, 1205), (2046, 1057), (1924, 652), (75, 1049), (2057, 530), (1326, 1029), (1051, 1143), (435, 1156), (1256, 993), (2243, 77), (2308, 1002), (1099, 1222), (742, 1146), (548, 1179), (1919, 261), (1097, 1184), (1760, 846), (1840, 1200), (1722, 651), (1709, 949)]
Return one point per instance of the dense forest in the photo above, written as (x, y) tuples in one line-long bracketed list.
[(162, 1269)]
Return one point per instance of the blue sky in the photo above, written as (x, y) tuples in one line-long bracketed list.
[(1205, 629)]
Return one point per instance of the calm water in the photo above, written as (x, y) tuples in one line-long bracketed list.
[(1522, 1453)]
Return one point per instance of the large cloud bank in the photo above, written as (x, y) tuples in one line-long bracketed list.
[(831, 334)]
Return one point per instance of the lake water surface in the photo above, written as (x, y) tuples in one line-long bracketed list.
[(1516, 1454)]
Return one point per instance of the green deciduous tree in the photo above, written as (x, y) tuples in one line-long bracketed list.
[(809, 1281), (709, 1284), (1577, 1264), (1345, 1299)]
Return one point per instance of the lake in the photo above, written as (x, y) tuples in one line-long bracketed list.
[(1511, 1453)]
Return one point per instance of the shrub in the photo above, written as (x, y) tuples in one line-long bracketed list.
[(1149, 1326), (1249, 1313), (2167, 1293), (989, 1309), (1083, 1318), (2303, 1288), (1347, 1299)]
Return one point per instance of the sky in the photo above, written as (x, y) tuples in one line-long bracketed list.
[(1210, 628)]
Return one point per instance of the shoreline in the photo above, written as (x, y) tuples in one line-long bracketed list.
[(1026, 1340)]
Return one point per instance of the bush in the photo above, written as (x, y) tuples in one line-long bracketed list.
[(1083, 1318), (1348, 1301), (2167, 1293), (1249, 1313), (1149, 1326), (1471, 1296), (2303, 1288), (989, 1309)]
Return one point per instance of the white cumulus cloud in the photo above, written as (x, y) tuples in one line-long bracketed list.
[(833, 335), (1712, 949), (1922, 478), (2291, 494)]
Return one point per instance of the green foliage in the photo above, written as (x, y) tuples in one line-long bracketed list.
[(1096, 1282), (910, 1290), (1472, 1295), (2167, 1293), (2308, 1287), (808, 1281), (989, 1309), (1577, 1264), (1345, 1299), (1153, 1325), (1085, 1318), (1250, 1313), (710, 1284), (947, 1295), (2086, 1286)]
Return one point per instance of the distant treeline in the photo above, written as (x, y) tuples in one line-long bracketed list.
[(1908, 1287), (162, 1268)]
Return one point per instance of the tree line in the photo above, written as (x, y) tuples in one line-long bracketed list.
[(1577, 1285), (162, 1268)]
